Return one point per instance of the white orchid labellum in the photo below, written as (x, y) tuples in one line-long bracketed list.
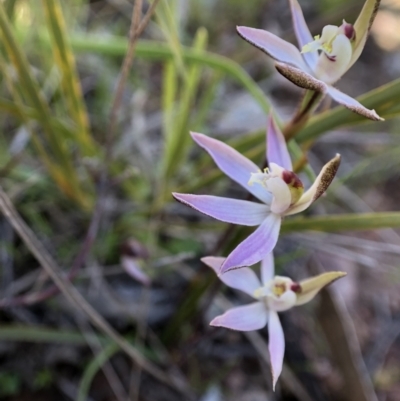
[(272, 294), (323, 59), (335, 45)]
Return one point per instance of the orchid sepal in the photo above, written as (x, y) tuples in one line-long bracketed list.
[(362, 27), (318, 188), (310, 287), (307, 81)]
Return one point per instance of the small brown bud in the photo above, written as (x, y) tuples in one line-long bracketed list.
[(134, 249)]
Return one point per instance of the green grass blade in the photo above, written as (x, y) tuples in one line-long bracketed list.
[(176, 147), (160, 51), (65, 176), (52, 166), (21, 112), (169, 91), (65, 61), (343, 222), (43, 334), (91, 370), (206, 100), (167, 22)]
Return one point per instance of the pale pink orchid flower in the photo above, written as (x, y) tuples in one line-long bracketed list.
[(322, 60), (277, 187), (273, 294)]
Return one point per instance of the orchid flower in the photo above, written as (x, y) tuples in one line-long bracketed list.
[(273, 294), (277, 187), (323, 59)]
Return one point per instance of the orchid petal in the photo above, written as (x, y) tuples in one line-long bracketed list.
[(229, 210), (276, 346), (362, 26), (320, 185), (277, 151), (255, 247), (303, 34), (240, 279), (275, 47), (301, 78), (352, 104), (232, 163), (281, 192), (267, 268), (243, 318), (311, 287), (332, 66), (131, 267)]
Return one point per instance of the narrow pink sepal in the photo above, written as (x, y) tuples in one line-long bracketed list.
[(352, 104), (277, 151), (255, 247), (275, 47), (302, 32), (233, 164), (229, 210), (276, 346)]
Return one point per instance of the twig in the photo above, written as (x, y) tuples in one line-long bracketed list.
[(70, 292), (136, 373), (135, 31), (76, 266)]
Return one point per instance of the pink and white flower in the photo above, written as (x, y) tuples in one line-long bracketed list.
[(323, 59), (272, 294), (278, 188)]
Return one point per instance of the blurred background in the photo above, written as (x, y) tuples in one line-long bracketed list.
[(96, 195)]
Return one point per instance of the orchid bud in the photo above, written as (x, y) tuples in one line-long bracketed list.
[(134, 249), (132, 254)]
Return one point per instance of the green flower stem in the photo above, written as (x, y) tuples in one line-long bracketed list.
[(343, 222)]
